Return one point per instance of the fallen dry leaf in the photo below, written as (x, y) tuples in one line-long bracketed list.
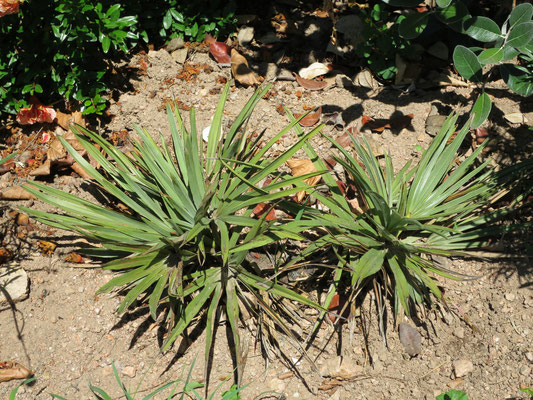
[(310, 119), (47, 248), (66, 120), (515, 118), (10, 370), (344, 140), (74, 258), (220, 52), (366, 79), (16, 193), (314, 70), (260, 210), (240, 70), (310, 84), (379, 125), (302, 167)]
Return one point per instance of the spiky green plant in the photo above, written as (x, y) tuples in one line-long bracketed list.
[(437, 207), (183, 245)]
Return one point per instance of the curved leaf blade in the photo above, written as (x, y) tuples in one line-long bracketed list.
[(490, 56), (521, 13), (481, 110), (521, 35)]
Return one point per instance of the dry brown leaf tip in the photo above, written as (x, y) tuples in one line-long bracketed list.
[(10, 370), (302, 167), (240, 70)]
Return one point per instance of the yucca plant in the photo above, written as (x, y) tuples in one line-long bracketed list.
[(437, 207), (182, 244)]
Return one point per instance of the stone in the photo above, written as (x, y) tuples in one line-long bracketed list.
[(175, 44), (13, 281), (529, 356), (510, 296), (245, 35), (179, 55), (277, 385), (410, 339), (525, 370), (459, 332), (129, 371), (462, 367)]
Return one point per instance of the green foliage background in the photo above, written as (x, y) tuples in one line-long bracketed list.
[(56, 49)]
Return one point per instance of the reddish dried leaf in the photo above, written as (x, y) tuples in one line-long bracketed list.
[(334, 307), (311, 118), (5, 255), (302, 167), (342, 187), (209, 39), (74, 258), (344, 140), (280, 110), (47, 248), (310, 84), (220, 52), (16, 193), (9, 7), (260, 210), (66, 120)]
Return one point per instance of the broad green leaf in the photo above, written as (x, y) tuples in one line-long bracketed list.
[(490, 56), (483, 29), (466, 63), (521, 35), (402, 3), (519, 79), (413, 25), (455, 15), (481, 110), (521, 13)]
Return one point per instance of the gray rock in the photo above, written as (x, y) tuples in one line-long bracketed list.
[(410, 339), (462, 368), (245, 36), (180, 55), (175, 44), (14, 285)]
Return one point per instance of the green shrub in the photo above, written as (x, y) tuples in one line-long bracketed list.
[(183, 246), (61, 49)]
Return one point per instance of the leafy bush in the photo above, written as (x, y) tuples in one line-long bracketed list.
[(381, 40), (55, 49), (514, 38), (58, 49), (183, 244)]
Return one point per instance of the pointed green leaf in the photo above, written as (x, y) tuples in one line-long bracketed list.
[(521, 13), (521, 35), (481, 110)]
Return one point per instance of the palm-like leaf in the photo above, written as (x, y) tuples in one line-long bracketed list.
[(435, 207), (184, 243)]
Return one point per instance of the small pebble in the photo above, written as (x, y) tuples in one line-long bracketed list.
[(462, 367), (129, 371), (459, 332), (525, 370), (510, 296), (529, 356)]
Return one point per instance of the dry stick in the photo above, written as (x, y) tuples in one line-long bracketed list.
[(433, 370)]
